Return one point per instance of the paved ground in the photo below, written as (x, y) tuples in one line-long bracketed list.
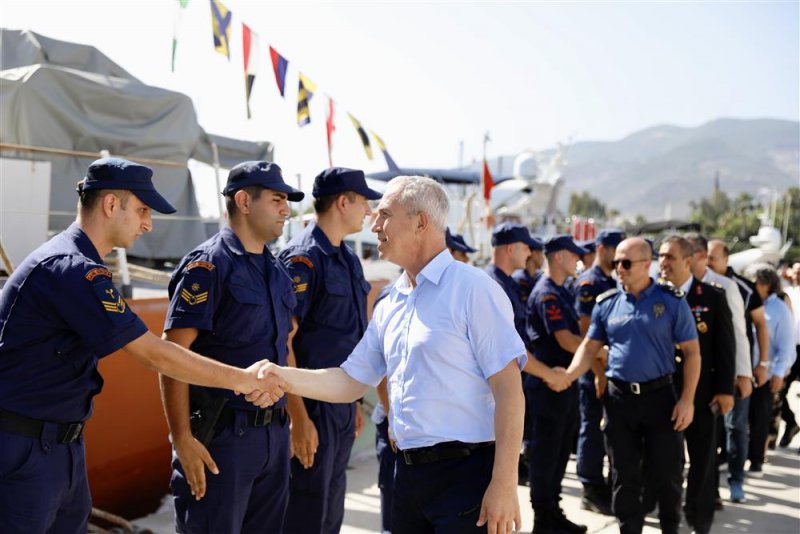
[(773, 504)]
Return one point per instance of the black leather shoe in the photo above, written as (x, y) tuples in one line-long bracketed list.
[(597, 499), (788, 434)]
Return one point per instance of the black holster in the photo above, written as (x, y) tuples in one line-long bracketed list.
[(205, 409)]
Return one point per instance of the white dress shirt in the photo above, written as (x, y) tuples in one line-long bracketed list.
[(439, 343), (736, 304)]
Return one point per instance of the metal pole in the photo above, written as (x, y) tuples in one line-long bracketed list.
[(220, 206)]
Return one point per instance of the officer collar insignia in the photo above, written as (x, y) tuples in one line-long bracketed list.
[(702, 327), (116, 304), (698, 290), (658, 310), (193, 299), (97, 271)]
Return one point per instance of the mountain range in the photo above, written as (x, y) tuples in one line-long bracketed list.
[(658, 171)]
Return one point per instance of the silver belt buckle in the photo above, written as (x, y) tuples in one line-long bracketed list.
[(635, 388)]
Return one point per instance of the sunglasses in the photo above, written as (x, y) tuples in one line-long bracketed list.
[(626, 264)]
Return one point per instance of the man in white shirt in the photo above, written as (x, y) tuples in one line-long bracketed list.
[(445, 338)]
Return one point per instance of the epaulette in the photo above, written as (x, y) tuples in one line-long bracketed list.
[(672, 290), (605, 294)]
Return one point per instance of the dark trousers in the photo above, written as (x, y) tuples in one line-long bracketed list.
[(250, 493), (386, 466), (316, 494), (548, 451), (43, 485), (701, 486), (441, 497), (639, 429), (794, 374), (760, 417), (591, 448)]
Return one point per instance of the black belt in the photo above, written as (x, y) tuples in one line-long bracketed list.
[(32, 428), (637, 388), (259, 417), (449, 450)]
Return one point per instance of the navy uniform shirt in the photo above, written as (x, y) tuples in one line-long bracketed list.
[(331, 297), (526, 281), (591, 283), (60, 313), (514, 292), (642, 333), (550, 309), (240, 302)]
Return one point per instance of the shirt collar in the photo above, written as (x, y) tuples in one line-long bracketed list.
[(231, 240), (322, 239), (433, 272), (76, 234), (687, 285)]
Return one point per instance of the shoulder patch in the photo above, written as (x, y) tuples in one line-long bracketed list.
[(200, 264), (585, 283), (97, 271), (605, 294), (672, 290), (549, 297), (302, 259)]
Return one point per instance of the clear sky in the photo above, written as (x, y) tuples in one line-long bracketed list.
[(426, 76)]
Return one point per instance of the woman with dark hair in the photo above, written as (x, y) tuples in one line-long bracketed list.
[(780, 326)]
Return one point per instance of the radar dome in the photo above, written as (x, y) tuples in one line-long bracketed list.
[(526, 167)]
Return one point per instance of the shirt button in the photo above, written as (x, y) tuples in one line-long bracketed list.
[(240, 432), (46, 446)]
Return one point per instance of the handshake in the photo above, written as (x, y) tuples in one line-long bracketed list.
[(262, 384), (557, 379)]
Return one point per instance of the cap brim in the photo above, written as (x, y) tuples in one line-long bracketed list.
[(575, 249), (294, 195), (154, 201), (370, 194)]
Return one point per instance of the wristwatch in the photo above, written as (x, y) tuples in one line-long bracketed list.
[(764, 363)]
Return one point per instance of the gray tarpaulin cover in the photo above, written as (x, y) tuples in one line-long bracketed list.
[(56, 94)]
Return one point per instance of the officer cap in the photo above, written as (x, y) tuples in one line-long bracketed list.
[(456, 242), (507, 233), (339, 180), (589, 245), (118, 173), (561, 242), (610, 237), (261, 173)]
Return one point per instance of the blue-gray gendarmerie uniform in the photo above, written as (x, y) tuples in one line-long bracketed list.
[(332, 314), (241, 303), (59, 314), (591, 448), (552, 416), (641, 335), (514, 293)]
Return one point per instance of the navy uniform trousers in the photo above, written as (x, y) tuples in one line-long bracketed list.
[(316, 502), (639, 430), (441, 497), (41, 474), (253, 482), (386, 463), (591, 448)]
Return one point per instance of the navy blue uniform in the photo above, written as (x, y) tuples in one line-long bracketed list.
[(641, 335), (526, 281), (552, 416), (514, 293), (332, 314), (59, 314), (591, 449), (241, 304)]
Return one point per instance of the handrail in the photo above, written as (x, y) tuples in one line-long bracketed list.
[(84, 154)]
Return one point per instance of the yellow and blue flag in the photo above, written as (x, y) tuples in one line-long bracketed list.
[(305, 91), (221, 26), (362, 135)]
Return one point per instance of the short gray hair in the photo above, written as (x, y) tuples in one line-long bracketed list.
[(419, 194)]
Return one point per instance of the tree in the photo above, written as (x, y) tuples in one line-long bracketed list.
[(585, 205)]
